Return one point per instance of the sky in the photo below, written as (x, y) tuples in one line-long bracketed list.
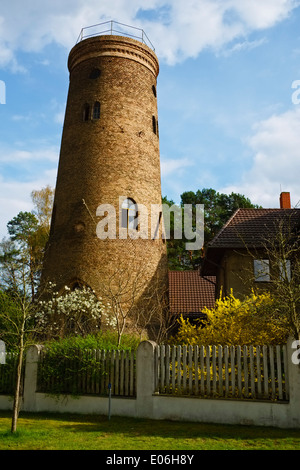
[(228, 93)]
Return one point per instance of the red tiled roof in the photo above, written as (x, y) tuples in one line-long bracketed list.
[(248, 228), (189, 293), (253, 227)]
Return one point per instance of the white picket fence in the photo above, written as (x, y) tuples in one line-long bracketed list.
[(235, 372)]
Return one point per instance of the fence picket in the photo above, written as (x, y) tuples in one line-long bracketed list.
[(239, 370), (252, 372), (245, 364), (167, 368), (207, 363), (259, 371), (202, 369), (190, 368), (285, 372), (279, 372), (265, 371), (196, 356), (226, 365), (233, 374), (174, 350), (220, 366), (272, 368), (179, 369), (214, 370)]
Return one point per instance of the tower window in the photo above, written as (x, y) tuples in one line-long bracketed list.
[(96, 110), (154, 124), (86, 112), (95, 73), (129, 214), (154, 90)]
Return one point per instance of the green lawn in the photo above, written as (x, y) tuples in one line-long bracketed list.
[(76, 432)]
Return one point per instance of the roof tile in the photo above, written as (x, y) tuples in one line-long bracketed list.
[(189, 293)]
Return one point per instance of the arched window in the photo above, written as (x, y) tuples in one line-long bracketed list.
[(96, 110), (86, 112), (129, 214)]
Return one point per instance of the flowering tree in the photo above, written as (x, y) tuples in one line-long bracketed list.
[(77, 312)]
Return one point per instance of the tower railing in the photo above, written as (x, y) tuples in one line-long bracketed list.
[(115, 28)]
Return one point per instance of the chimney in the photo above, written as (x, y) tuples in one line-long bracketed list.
[(285, 201)]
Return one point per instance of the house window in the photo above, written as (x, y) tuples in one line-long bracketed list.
[(285, 270), (261, 270), (96, 110), (86, 112), (129, 214)]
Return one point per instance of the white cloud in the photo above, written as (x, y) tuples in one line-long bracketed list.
[(243, 46), (49, 154), (178, 29), (275, 144), (171, 166)]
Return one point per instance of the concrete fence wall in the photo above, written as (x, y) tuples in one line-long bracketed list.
[(149, 404)]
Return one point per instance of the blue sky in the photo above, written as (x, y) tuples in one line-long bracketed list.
[(226, 115)]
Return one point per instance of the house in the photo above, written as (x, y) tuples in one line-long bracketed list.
[(189, 293), (238, 255)]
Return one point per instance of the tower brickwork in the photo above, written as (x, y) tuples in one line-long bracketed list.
[(109, 149)]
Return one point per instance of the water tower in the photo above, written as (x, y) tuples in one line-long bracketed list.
[(109, 150)]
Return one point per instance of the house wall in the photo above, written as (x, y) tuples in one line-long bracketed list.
[(236, 273)]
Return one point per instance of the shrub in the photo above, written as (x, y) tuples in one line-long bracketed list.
[(253, 320)]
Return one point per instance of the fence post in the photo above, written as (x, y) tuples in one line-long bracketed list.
[(294, 381), (145, 378), (30, 380)]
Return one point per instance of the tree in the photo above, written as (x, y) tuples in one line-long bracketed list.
[(28, 235), (135, 305), (43, 205), (218, 208), (71, 312), (282, 249), (177, 254), (27, 242), (21, 259), (17, 321)]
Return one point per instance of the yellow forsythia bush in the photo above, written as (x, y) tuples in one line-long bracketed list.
[(254, 320)]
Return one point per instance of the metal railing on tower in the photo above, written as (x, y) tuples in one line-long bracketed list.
[(115, 28)]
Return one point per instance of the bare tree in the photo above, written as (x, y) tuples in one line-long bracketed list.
[(18, 326), (283, 251), (279, 255), (135, 304)]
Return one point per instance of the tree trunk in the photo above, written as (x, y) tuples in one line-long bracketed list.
[(16, 405)]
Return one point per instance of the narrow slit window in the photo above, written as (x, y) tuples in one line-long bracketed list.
[(154, 90), (154, 124), (96, 110), (86, 112)]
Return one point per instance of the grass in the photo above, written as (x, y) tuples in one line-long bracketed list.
[(77, 432)]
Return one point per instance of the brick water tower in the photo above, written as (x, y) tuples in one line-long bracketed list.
[(109, 156)]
